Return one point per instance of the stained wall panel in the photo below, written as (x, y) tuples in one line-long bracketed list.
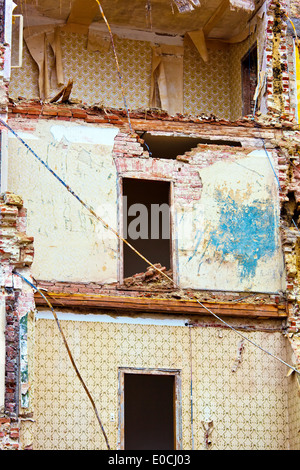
[(248, 407)]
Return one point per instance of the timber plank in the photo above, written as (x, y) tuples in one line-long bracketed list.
[(155, 305)]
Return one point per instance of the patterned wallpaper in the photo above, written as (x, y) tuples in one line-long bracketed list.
[(207, 86), (248, 407)]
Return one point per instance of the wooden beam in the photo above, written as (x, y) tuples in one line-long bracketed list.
[(123, 304), (203, 128), (198, 39), (216, 17), (81, 16)]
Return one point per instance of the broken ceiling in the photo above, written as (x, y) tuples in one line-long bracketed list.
[(219, 19)]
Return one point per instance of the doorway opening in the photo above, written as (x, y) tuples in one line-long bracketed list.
[(146, 224), (150, 403), (249, 80)]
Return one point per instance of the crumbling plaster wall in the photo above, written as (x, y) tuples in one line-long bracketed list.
[(70, 244), (225, 228)]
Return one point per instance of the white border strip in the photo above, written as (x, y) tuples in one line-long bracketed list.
[(102, 318)]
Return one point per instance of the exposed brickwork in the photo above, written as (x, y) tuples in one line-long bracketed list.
[(9, 434), (35, 109), (16, 251), (288, 148), (276, 64)]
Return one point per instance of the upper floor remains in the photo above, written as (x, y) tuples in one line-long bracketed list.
[(225, 58)]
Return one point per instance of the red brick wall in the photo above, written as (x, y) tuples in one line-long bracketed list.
[(16, 251)]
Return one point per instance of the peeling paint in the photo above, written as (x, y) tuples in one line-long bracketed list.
[(84, 134), (246, 232)]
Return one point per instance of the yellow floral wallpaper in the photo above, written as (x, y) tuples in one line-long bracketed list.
[(207, 86), (248, 406)]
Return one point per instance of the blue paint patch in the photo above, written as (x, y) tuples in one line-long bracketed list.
[(247, 232)]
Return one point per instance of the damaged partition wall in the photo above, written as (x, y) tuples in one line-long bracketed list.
[(159, 168)]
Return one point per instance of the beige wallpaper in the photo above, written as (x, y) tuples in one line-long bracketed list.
[(248, 407)]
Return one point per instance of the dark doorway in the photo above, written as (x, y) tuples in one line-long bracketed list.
[(249, 80), (149, 412), (146, 224)]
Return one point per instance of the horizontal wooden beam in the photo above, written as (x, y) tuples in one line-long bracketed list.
[(203, 128), (158, 305)]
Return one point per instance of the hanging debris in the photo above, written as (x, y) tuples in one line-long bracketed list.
[(150, 278), (208, 427), (239, 356), (186, 5), (64, 94)]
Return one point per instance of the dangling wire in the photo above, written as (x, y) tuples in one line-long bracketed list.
[(69, 353)]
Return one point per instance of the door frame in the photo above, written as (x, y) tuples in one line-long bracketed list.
[(177, 401), (173, 260)]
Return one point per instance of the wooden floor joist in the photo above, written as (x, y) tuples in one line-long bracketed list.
[(158, 305)]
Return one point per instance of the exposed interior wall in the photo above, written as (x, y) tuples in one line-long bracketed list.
[(217, 220), (207, 84), (213, 87), (82, 156), (245, 396)]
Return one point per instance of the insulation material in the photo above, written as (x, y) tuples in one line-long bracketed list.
[(37, 40), (167, 78)]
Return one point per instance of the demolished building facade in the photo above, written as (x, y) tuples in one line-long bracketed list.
[(114, 120)]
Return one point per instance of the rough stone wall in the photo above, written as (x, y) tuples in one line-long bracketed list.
[(16, 252), (276, 49), (289, 176)]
